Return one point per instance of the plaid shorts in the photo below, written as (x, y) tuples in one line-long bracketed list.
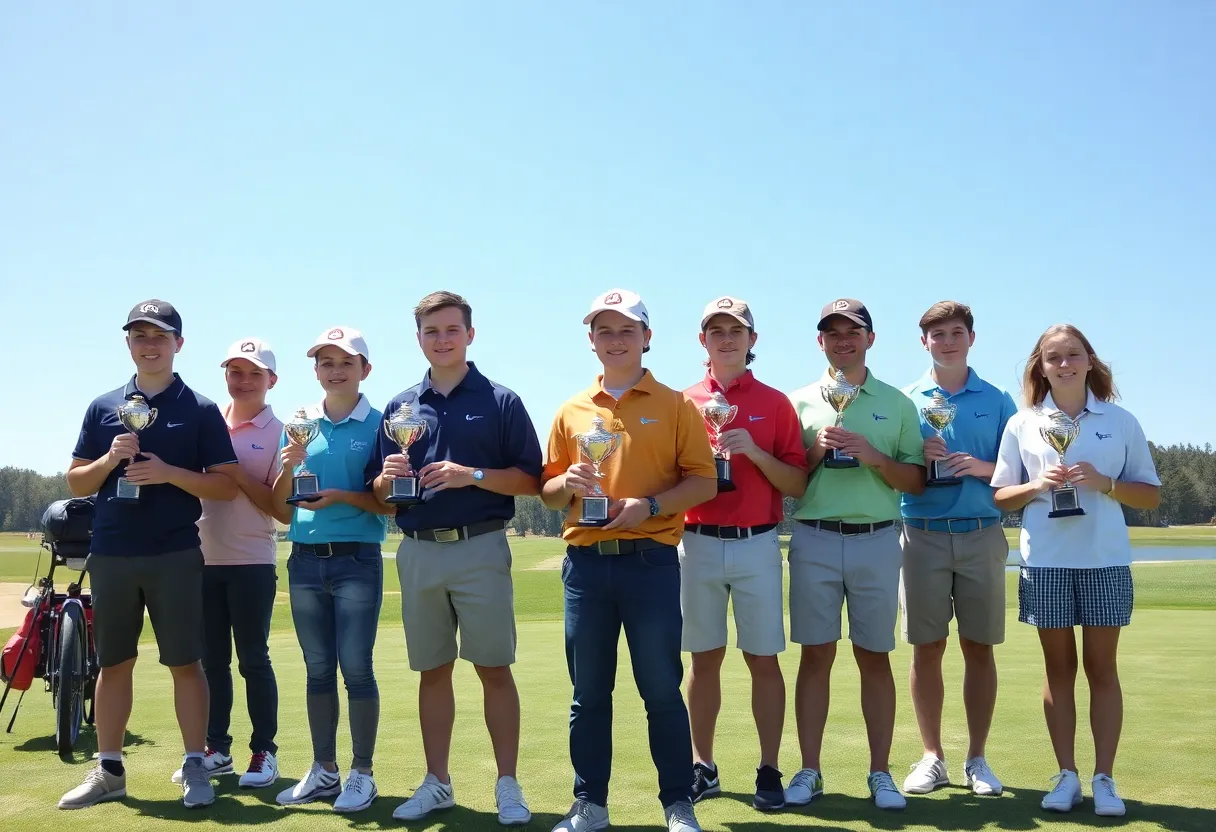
[(1051, 597)]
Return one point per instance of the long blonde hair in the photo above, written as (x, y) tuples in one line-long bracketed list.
[(1035, 386)]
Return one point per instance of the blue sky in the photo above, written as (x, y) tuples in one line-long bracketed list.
[(275, 169)]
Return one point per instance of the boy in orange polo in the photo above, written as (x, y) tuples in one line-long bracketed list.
[(626, 572)]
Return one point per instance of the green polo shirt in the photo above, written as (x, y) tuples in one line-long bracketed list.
[(888, 419)]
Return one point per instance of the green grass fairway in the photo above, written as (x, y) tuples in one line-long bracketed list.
[(1164, 768)]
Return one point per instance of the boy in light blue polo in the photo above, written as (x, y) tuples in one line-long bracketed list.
[(336, 572), (954, 549)]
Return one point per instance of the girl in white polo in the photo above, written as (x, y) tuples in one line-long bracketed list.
[(1075, 568)]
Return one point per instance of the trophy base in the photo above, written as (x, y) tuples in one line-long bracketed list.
[(939, 480), (1064, 503), (836, 458), (304, 490), (126, 491), (724, 481), (404, 492), (595, 512)]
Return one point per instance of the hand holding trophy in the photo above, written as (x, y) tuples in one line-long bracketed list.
[(135, 415), (939, 413), (718, 413), (839, 394), (301, 431), (596, 445), (404, 428), (1060, 432)]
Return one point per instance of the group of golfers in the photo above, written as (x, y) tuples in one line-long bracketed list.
[(672, 499)]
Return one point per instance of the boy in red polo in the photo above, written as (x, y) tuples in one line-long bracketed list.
[(730, 548)]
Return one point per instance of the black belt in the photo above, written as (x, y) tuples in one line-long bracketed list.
[(621, 547), (327, 550), (846, 528), (729, 532), (462, 533)]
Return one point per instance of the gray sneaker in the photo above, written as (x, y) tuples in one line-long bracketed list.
[(196, 784), (680, 817), (99, 785)]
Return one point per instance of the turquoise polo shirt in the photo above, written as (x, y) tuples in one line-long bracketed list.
[(338, 456), (979, 422)]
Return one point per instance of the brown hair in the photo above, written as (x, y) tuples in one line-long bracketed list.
[(947, 310), (442, 300), (1035, 386)]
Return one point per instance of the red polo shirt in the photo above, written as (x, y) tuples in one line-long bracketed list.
[(768, 415)]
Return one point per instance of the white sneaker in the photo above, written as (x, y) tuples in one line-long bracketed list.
[(882, 789), (1065, 795), (263, 770), (584, 816), (980, 778), (357, 794), (214, 763), (316, 784), (509, 797), (428, 797), (804, 787), (680, 817), (929, 773), (1106, 800)]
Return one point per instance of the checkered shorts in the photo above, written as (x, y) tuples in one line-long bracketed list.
[(1053, 597)]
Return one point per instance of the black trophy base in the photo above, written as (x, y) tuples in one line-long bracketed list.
[(404, 492), (937, 479), (126, 492), (725, 483), (595, 512), (1064, 503), (304, 490), (836, 458)]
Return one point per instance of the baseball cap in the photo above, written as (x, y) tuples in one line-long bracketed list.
[(737, 309), (252, 349), (156, 312), (351, 340), (624, 301), (849, 308)]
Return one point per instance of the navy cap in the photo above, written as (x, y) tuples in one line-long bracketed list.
[(853, 310), (156, 312)]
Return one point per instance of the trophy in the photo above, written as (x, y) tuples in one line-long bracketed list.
[(939, 413), (717, 413), (301, 431), (596, 445), (135, 415), (1059, 433), (404, 428), (839, 394)]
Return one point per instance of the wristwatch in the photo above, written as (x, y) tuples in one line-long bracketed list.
[(654, 506), (479, 475)]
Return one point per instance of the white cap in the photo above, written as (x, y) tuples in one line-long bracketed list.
[(624, 301), (251, 349), (350, 340)]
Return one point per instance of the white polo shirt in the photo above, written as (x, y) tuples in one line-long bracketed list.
[(1111, 440)]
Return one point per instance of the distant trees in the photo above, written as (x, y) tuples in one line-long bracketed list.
[(24, 496)]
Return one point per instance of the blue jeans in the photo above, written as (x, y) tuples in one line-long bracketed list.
[(335, 605), (641, 592)]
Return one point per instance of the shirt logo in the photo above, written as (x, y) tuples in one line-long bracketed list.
[(358, 445), (248, 347), (469, 417), (334, 335), (174, 424), (754, 418), (258, 447), (979, 415), (1103, 435), (646, 421), (878, 417), (150, 307)]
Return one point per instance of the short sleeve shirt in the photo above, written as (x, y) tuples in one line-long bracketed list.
[(887, 418), (188, 432), (1111, 439)]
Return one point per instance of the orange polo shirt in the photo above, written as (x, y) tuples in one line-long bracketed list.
[(663, 440)]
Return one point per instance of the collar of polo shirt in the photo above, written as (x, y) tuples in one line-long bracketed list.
[(743, 382), (927, 386), (317, 411), (174, 389), (472, 380), (646, 384), (260, 421), (1092, 404)]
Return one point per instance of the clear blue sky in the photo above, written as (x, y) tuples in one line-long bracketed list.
[(275, 169)]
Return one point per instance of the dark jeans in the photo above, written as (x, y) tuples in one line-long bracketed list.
[(238, 602), (642, 593)]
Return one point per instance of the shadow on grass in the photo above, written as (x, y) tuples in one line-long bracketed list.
[(86, 745)]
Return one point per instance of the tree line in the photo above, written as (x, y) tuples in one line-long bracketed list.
[(1188, 496)]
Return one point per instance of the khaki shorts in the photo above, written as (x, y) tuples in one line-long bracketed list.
[(749, 573), (826, 568), (953, 575), (463, 586)]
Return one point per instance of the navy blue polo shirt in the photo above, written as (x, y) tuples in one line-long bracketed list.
[(480, 424), (189, 432)]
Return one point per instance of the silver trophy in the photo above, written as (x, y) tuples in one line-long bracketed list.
[(939, 413), (718, 413), (135, 415), (404, 428), (301, 431), (596, 445), (839, 394), (1060, 432)]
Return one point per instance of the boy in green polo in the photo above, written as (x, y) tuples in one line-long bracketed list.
[(845, 545)]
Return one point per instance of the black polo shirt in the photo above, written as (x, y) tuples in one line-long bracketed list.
[(480, 424), (189, 432)]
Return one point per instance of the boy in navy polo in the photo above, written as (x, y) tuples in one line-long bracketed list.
[(336, 572), (145, 550), (479, 451)]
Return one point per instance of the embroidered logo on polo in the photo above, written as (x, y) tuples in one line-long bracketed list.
[(878, 417), (979, 415), (469, 417), (1101, 435), (358, 445), (257, 447), (754, 418), (646, 421), (174, 424)]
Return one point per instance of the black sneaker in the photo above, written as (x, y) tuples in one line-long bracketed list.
[(770, 794), (704, 781)]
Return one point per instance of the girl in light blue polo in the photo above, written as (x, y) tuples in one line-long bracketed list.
[(335, 571), (1076, 566)]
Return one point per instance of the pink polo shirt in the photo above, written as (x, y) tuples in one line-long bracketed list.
[(237, 532)]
